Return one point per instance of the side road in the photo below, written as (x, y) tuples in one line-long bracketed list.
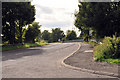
[(83, 60)]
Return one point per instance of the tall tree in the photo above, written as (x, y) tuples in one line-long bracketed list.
[(33, 32), (46, 35), (71, 35), (57, 34), (102, 17), (15, 15)]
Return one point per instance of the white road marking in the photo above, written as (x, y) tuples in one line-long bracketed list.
[(88, 51)]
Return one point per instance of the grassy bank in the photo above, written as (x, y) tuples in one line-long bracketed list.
[(6, 48), (108, 50)]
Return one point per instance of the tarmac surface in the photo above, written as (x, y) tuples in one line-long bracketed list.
[(42, 62), (83, 59)]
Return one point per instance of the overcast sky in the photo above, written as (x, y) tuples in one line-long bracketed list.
[(56, 13)]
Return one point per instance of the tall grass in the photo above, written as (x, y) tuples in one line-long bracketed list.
[(108, 50)]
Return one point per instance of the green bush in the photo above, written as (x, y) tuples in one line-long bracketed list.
[(64, 39), (110, 48)]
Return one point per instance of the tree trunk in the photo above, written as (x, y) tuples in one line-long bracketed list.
[(13, 33), (20, 30), (10, 38)]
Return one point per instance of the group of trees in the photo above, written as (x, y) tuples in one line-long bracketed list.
[(33, 33), (71, 35), (101, 18), (15, 16), (18, 25), (58, 35)]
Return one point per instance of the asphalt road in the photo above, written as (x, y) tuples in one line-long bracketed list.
[(42, 62)]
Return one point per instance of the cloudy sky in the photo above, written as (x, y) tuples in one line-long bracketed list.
[(56, 13)]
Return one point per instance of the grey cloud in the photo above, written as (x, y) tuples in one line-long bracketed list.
[(44, 9), (57, 24)]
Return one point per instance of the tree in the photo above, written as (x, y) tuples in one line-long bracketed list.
[(32, 32), (16, 15), (45, 35), (71, 35), (104, 18), (57, 34)]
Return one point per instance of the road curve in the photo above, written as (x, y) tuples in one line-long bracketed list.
[(42, 62)]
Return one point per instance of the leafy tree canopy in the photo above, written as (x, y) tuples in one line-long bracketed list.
[(32, 32), (45, 35), (57, 34), (103, 17), (15, 15), (71, 35)]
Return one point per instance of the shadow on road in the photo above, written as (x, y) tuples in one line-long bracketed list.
[(14, 54)]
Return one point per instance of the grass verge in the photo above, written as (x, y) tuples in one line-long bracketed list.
[(111, 60), (102, 52), (6, 48), (57, 42), (108, 51)]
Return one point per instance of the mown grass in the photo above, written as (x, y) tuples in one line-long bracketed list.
[(6, 48), (111, 60)]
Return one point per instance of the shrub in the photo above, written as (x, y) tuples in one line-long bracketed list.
[(110, 48), (64, 39)]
